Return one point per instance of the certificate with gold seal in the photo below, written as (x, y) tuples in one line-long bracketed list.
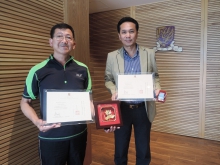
[(107, 113)]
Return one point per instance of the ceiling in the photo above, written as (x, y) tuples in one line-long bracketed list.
[(96, 6)]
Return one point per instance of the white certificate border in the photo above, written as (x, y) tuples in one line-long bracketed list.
[(90, 120), (152, 74)]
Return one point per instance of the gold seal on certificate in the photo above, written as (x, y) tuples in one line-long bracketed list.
[(107, 113)]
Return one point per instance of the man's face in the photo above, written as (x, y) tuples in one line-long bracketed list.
[(62, 41), (128, 34)]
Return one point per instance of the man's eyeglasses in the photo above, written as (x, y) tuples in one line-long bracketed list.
[(61, 37)]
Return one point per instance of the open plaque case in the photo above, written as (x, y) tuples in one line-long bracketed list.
[(107, 113)]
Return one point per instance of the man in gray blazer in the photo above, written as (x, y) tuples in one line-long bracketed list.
[(131, 59)]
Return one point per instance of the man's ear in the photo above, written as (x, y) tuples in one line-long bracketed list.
[(119, 36), (74, 45), (51, 42)]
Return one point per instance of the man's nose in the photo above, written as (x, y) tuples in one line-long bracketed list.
[(127, 34)]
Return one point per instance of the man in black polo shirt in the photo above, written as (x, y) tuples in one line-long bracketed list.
[(58, 144)]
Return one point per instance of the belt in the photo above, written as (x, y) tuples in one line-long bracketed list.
[(133, 106)]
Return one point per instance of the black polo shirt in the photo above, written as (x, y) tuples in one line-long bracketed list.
[(50, 74)]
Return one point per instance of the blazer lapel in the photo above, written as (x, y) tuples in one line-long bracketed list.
[(143, 59), (120, 58)]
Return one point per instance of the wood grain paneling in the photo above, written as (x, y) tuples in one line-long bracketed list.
[(212, 110), (76, 14), (179, 71), (103, 39), (24, 34)]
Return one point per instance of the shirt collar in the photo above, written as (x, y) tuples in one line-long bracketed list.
[(126, 56)]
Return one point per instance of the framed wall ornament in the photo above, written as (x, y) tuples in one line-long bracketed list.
[(165, 39)]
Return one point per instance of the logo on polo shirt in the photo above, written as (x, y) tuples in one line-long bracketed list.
[(78, 75)]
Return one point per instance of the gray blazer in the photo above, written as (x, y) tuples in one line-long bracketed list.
[(115, 65)]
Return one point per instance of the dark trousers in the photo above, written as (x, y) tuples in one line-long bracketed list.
[(71, 151), (142, 126)]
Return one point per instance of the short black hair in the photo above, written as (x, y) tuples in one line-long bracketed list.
[(127, 19), (61, 26)]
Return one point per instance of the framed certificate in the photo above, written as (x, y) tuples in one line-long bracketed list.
[(136, 87), (67, 106), (107, 113)]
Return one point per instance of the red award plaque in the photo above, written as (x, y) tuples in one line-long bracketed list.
[(162, 96), (107, 113)]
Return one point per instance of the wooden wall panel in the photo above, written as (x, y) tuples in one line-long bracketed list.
[(79, 20), (24, 34), (212, 110), (103, 39), (77, 15), (179, 71)]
